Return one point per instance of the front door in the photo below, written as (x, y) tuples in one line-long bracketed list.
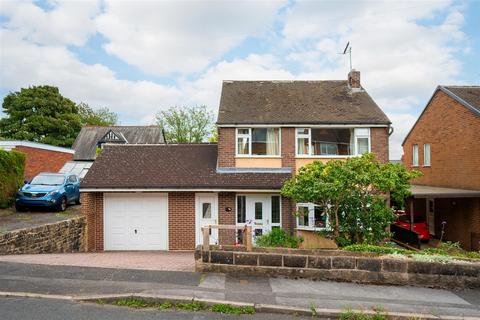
[(206, 212), (259, 214), (431, 215)]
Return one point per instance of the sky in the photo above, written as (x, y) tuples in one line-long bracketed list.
[(140, 57)]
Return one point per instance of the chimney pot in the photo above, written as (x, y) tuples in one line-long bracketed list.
[(354, 80)]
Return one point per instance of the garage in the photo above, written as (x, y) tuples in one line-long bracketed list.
[(135, 221)]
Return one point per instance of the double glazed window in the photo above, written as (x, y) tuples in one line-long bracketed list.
[(415, 155), (258, 141), (426, 155), (311, 216), (332, 141)]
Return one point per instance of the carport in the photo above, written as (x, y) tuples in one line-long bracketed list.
[(452, 214)]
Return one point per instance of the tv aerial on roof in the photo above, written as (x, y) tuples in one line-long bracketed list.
[(348, 49)]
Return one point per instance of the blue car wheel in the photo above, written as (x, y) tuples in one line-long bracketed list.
[(62, 204)]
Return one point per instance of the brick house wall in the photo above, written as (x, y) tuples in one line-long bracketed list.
[(379, 143), (181, 220), (288, 148), (92, 209), (40, 160), (453, 134), (226, 147), (227, 200)]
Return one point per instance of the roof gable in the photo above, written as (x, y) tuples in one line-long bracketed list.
[(296, 102), (467, 96), (87, 140)]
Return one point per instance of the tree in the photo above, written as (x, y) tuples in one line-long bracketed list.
[(98, 117), (186, 124), (40, 114), (353, 194)]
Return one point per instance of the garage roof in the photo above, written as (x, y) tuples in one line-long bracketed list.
[(438, 192), (188, 166)]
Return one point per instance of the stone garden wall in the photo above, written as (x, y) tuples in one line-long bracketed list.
[(337, 265), (63, 236)]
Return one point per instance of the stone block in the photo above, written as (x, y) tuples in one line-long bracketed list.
[(319, 262), (420, 267), (294, 261), (271, 260), (221, 257), (246, 259), (392, 265), (343, 262)]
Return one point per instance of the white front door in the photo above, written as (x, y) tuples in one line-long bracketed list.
[(135, 221), (431, 215), (206, 213), (259, 214)]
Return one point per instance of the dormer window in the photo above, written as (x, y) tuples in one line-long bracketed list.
[(258, 142)]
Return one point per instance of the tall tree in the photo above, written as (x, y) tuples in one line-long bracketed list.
[(40, 114), (186, 124), (98, 117)]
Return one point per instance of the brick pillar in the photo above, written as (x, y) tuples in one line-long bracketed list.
[(226, 147), (288, 220), (226, 200), (92, 209), (288, 148), (181, 220)]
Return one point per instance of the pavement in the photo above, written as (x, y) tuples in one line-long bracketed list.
[(12, 220), (83, 282), (142, 260)]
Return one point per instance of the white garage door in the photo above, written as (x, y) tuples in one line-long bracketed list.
[(134, 221)]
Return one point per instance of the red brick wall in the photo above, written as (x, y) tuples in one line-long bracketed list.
[(227, 200), (92, 209), (453, 134), (288, 148), (379, 141), (288, 220), (40, 160), (226, 147), (181, 220)]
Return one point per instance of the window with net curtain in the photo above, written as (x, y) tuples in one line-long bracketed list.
[(261, 141), (332, 141)]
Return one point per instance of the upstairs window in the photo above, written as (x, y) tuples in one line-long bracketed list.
[(332, 141), (415, 155), (258, 141), (426, 155)]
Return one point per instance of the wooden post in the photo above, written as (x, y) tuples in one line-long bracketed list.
[(206, 238), (249, 238)]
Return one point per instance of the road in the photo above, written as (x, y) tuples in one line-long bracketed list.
[(85, 281)]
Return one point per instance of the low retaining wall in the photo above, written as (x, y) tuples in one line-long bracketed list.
[(63, 236), (340, 265)]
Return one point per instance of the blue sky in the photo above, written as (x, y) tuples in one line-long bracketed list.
[(139, 57)]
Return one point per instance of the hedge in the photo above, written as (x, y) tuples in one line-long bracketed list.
[(12, 167)]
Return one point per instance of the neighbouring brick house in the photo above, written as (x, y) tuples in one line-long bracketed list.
[(444, 144), (39, 157), (157, 197)]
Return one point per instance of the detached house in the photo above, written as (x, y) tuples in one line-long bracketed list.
[(157, 197), (444, 144)]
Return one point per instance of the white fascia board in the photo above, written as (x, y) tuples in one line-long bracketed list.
[(303, 125), (176, 190), (12, 144)]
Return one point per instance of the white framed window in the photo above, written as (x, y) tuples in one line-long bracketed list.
[(311, 217), (426, 155), (415, 155), (332, 142), (258, 141)]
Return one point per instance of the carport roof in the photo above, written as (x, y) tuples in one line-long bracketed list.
[(177, 167), (439, 192)]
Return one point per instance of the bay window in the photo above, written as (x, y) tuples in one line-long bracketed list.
[(332, 141), (258, 141), (311, 216)]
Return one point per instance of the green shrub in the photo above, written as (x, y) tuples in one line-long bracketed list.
[(12, 166), (376, 249), (278, 238), (229, 309)]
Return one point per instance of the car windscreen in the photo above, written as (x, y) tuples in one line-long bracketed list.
[(48, 180)]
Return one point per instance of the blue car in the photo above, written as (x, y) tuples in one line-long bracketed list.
[(49, 190)]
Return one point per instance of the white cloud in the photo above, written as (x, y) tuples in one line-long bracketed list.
[(181, 37), (68, 23), (27, 64), (402, 123)]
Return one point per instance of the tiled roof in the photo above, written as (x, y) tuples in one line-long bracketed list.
[(85, 144), (189, 166), (466, 95), (296, 102)]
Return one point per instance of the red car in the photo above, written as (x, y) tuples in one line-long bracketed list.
[(420, 226)]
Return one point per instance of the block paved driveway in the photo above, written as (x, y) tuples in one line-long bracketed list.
[(146, 260)]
